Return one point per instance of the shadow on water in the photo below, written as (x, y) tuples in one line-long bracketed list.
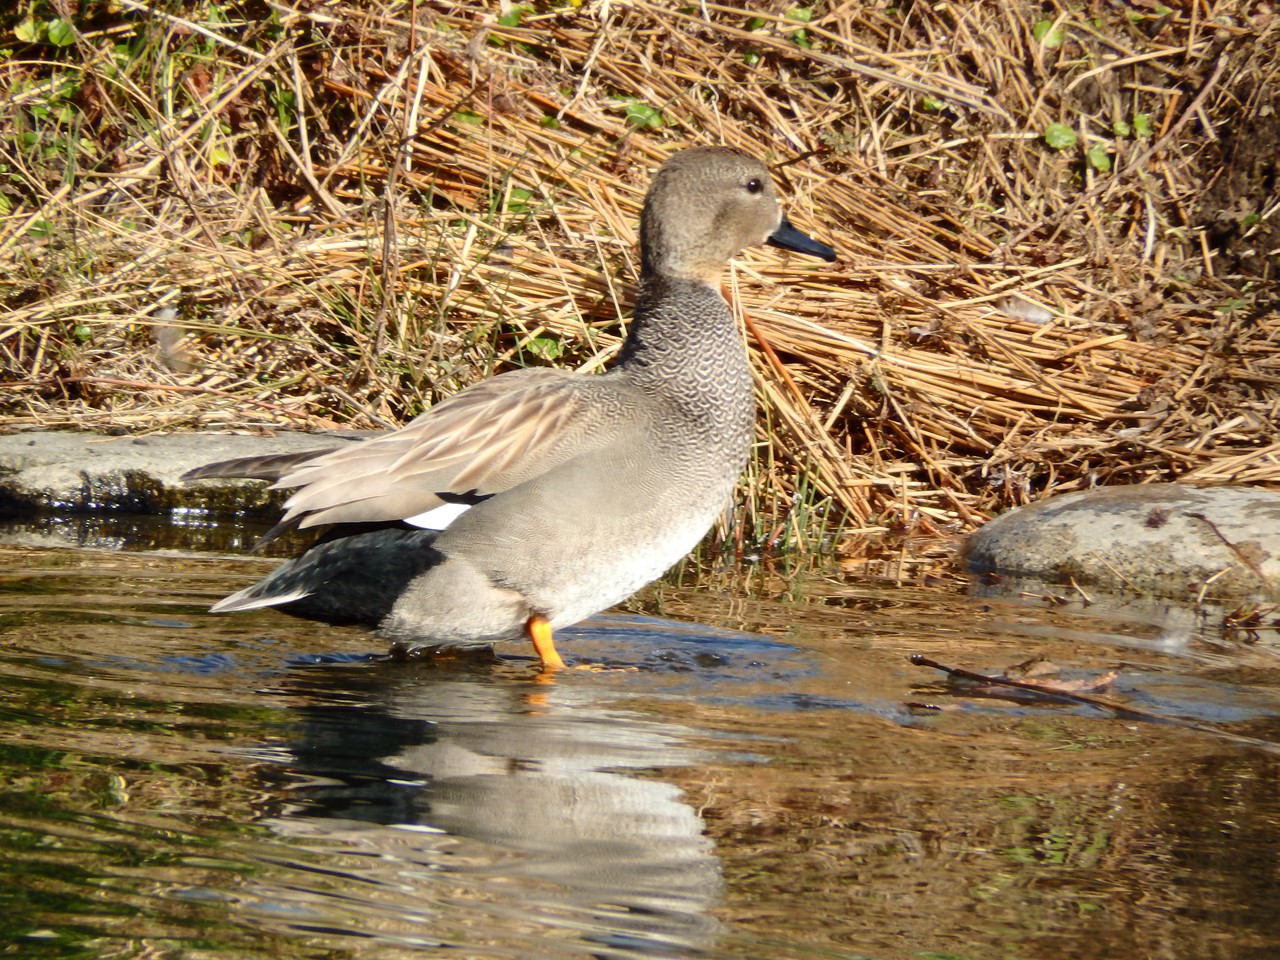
[(742, 776)]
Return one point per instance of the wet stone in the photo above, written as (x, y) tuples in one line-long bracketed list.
[(1169, 540), (62, 472)]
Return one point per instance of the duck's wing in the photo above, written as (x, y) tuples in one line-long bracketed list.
[(479, 442)]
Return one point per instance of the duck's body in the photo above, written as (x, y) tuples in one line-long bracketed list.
[(571, 491)]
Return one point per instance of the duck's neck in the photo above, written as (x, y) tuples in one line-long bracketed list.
[(682, 328), (684, 349)]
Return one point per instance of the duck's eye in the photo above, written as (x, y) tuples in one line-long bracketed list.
[(754, 185)]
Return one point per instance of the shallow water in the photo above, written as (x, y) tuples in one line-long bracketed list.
[(755, 771)]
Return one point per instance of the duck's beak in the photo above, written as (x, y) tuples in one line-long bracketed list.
[(789, 238)]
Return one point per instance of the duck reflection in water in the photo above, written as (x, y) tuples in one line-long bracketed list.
[(526, 801)]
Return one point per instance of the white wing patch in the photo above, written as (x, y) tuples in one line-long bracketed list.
[(438, 517)]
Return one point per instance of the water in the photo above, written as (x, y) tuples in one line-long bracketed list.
[(753, 770)]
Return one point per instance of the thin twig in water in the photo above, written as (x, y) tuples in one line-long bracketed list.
[(1101, 703)]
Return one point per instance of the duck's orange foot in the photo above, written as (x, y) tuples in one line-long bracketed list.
[(539, 631)]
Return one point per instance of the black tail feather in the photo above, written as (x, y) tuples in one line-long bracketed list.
[(353, 580)]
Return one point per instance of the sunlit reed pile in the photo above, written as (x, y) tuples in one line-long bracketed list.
[(1058, 227)]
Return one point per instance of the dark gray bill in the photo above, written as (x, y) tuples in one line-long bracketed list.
[(789, 238)]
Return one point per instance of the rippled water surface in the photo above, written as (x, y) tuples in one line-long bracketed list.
[(755, 770)]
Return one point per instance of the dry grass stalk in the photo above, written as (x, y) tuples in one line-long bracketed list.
[(354, 214)]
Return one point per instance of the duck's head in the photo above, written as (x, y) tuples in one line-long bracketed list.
[(705, 204)]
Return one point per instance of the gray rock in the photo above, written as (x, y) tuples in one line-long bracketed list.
[(1168, 540), (85, 472)]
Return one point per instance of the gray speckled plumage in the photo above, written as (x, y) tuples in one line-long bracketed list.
[(583, 488)]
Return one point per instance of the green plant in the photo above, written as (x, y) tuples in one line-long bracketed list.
[(1049, 33), (800, 15), (1059, 136), (55, 31), (642, 115)]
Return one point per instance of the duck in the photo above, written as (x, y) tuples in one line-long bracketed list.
[(530, 501)]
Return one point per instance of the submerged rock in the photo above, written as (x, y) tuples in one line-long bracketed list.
[(1168, 540), (45, 472)]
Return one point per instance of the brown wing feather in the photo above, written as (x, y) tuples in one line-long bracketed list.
[(271, 466), (485, 439)]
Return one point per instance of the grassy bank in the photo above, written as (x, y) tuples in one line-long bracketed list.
[(1057, 223)]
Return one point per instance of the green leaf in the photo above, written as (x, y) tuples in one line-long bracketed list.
[(1121, 129), (61, 33), (518, 199), (82, 332), (755, 23), (545, 348), (219, 157), (1098, 158), (1048, 34), (1059, 136), (932, 104), (1142, 124), (644, 116), (27, 31), (465, 116), (800, 15), (513, 16), (751, 58), (548, 121)]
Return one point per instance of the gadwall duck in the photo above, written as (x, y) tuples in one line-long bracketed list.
[(557, 494)]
